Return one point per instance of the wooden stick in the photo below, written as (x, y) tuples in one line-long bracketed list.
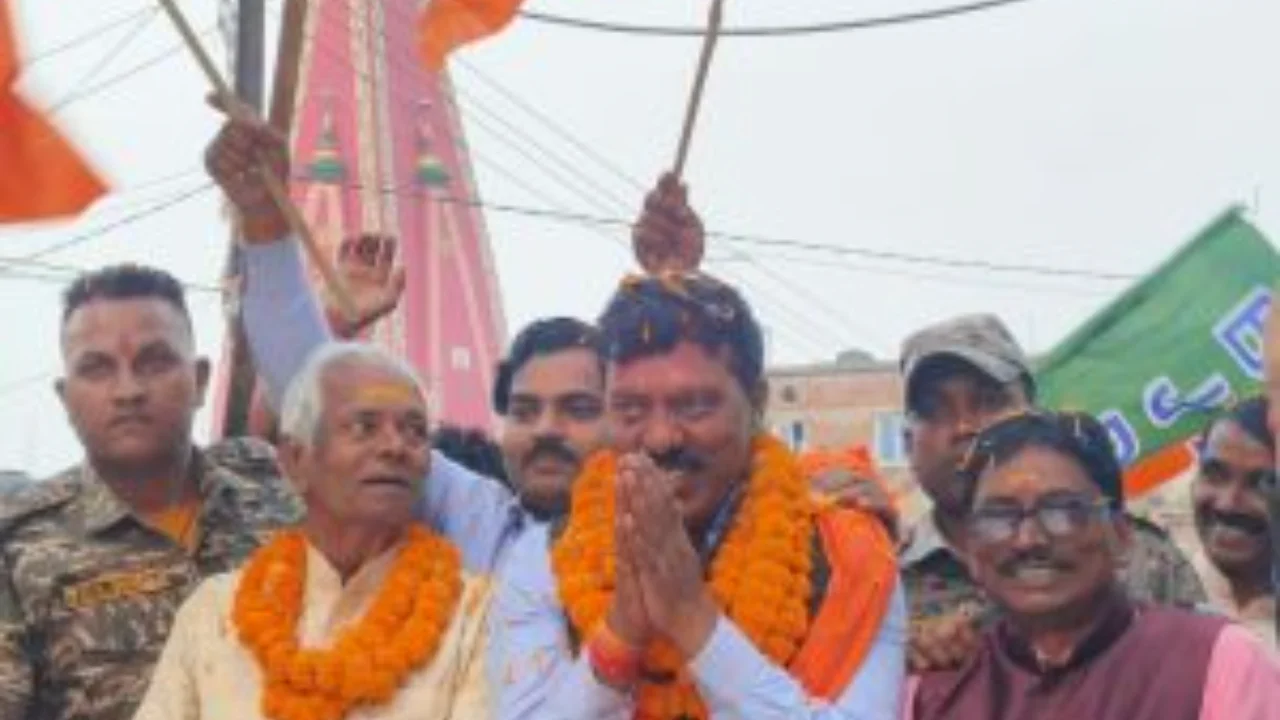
[(699, 82), (275, 187)]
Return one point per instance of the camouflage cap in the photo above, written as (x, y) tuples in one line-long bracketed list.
[(983, 341)]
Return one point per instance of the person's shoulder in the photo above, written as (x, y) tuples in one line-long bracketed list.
[(851, 533), (246, 456), (211, 604), (934, 692), (1186, 625), (1147, 529), (42, 501), (1153, 543), (263, 494)]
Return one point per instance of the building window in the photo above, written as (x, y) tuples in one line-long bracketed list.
[(792, 434), (891, 445), (788, 393)]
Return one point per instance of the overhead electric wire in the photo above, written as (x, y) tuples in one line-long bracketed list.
[(569, 137), (399, 96), (19, 265), (834, 26), (168, 54), (560, 214), (871, 253), (985, 283), (840, 320), (125, 221), (557, 177), (86, 37), (840, 323), (105, 61), (22, 383), (474, 105)]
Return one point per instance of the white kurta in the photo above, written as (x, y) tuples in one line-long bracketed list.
[(206, 674)]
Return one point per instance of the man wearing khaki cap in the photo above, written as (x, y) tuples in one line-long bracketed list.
[(959, 376)]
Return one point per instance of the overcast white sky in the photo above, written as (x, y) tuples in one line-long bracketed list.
[(1094, 134)]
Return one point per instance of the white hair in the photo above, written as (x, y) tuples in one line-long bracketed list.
[(303, 405)]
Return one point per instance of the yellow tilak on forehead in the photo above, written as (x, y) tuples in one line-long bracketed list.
[(1023, 479), (386, 392)]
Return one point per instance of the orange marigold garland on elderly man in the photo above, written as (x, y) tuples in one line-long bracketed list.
[(760, 576), (399, 633)]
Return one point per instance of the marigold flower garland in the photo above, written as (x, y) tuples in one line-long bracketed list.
[(369, 661), (760, 577)]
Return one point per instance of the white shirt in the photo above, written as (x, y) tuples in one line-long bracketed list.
[(205, 673)]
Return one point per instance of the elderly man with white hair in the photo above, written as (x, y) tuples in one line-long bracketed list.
[(359, 611)]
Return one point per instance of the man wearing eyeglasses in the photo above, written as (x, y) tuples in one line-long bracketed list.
[(960, 376), (1229, 496), (1046, 535)]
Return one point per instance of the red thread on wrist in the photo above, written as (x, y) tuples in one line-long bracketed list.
[(615, 662)]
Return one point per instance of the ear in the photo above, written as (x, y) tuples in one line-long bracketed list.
[(202, 380), (292, 456), (60, 389)]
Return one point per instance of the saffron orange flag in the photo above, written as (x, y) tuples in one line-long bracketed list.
[(41, 174), (447, 25)]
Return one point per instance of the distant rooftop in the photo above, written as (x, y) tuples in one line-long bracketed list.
[(854, 360)]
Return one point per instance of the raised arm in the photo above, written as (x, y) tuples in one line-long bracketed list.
[(285, 324)]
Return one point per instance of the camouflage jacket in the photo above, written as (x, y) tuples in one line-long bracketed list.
[(938, 583), (88, 592)]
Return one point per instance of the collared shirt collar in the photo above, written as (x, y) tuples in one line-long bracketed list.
[(1259, 615), (101, 508), (924, 540), (1116, 616)]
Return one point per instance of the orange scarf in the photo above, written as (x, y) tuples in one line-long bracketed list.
[(761, 578)]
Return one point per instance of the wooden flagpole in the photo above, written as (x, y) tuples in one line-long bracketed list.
[(699, 83), (273, 184)]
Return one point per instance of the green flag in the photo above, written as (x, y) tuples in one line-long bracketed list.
[(1182, 342)]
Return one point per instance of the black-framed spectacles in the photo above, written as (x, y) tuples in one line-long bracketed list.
[(1057, 517)]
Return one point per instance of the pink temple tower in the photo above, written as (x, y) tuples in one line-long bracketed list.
[(378, 147)]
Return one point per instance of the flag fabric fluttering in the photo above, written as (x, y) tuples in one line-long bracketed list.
[(1161, 359), (41, 175), (446, 25)]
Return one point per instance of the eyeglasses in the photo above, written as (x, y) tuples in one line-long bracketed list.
[(1057, 517)]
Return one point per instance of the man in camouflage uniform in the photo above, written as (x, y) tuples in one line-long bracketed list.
[(94, 562), (960, 375)]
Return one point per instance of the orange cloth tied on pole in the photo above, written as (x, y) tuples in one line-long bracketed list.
[(447, 25), (41, 175)]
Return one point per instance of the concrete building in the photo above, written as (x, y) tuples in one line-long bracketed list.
[(856, 399)]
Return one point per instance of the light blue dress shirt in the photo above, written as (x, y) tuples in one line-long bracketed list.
[(533, 673), (284, 325)]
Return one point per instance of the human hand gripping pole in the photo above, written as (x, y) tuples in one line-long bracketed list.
[(274, 186)]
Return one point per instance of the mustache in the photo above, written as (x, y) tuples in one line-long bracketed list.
[(1034, 557), (1247, 523), (678, 460), (550, 446)]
